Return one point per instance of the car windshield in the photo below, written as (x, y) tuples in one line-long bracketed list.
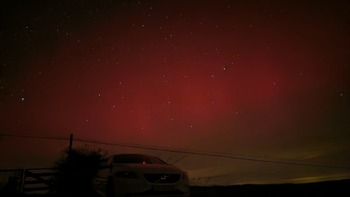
[(134, 158)]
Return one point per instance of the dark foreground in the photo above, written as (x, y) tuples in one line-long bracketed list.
[(330, 188)]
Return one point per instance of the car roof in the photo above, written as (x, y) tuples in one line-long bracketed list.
[(134, 155), (125, 158)]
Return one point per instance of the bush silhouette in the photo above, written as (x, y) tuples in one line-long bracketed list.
[(76, 170)]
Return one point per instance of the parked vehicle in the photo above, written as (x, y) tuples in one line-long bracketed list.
[(140, 175)]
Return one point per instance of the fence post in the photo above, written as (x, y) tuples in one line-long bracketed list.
[(23, 177)]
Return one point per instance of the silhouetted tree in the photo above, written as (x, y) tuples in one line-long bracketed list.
[(76, 170)]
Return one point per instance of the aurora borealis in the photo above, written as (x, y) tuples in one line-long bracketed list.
[(259, 79)]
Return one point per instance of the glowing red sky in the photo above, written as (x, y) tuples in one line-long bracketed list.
[(245, 78)]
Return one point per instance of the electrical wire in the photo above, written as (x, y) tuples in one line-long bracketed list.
[(184, 151)]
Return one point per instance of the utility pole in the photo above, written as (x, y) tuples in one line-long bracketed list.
[(70, 142)]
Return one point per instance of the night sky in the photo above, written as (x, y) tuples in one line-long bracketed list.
[(260, 79)]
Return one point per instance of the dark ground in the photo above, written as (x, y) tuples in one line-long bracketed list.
[(330, 188)]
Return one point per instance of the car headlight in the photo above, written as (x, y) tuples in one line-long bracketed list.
[(126, 175)]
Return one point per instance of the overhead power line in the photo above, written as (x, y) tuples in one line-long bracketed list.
[(184, 151), (34, 137), (213, 154)]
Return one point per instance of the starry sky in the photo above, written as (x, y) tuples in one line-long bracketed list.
[(266, 80)]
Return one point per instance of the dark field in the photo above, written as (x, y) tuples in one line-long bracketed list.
[(330, 188)]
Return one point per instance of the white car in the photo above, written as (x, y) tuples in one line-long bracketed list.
[(140, 175)]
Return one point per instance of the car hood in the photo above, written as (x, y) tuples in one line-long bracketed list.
[(147, 168)]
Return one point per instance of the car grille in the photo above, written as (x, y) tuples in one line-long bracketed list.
[(162, 178)]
